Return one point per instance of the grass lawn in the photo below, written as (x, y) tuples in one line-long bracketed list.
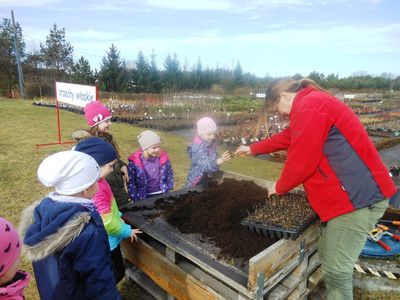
[(25, 125)]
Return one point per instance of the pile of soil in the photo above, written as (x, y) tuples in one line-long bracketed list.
[(216, 214), (288, 212)]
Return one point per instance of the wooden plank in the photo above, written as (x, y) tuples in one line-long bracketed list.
[(315, 278), (278, 255), (279, 292), (296, 275), (211, 281), (281, 287), (146, 283), (165, 274), (261, 182)]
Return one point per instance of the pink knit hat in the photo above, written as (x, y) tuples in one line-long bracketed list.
[(96, 112), (9, 245), (206, 125)]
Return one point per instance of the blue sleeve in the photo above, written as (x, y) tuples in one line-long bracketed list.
[(91, 259), (126, 231)]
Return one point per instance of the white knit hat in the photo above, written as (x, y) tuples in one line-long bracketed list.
[(148, 138), (69, 172)]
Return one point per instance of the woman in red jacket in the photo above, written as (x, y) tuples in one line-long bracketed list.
[(346, 182)]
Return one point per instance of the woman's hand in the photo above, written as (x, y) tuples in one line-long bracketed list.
[(272, 190), (134, 233), (242, 151), (124, 171)]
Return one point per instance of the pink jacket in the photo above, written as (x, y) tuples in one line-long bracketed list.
[(15, 290)]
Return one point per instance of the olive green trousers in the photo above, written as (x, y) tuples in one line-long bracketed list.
[(340, 244)]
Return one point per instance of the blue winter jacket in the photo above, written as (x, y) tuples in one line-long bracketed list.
[(204, 160), (69, 250)]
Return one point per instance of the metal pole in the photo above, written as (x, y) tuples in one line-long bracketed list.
[(18, 61)]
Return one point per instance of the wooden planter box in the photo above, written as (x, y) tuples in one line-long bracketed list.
[(185, 268)]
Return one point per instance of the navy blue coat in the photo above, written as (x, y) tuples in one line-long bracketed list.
[(69, 248)]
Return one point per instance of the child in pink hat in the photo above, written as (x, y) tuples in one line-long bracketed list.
[(12, 280), (203, 153), (98, 117)]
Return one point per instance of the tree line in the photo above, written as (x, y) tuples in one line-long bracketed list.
[(54, 61)]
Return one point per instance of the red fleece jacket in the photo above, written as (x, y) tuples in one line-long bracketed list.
[(314, 113)]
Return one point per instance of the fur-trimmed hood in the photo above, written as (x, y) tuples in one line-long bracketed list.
[(47, 227)]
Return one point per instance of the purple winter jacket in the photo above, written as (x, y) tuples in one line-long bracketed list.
[(137, 184)]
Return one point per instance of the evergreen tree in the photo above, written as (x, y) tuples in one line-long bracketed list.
[(57, 53), (82, 73), (110, 70), (142, 76), (238, 78), (154, 85), (172, 74), (8, 67)]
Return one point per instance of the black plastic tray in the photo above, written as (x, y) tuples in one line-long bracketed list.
[(276, 232)]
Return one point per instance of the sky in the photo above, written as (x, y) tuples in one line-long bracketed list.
[(268, 37)]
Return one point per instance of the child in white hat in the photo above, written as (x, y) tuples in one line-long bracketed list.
[(12, 280), (203, 153), (63, 234), (149, 168)]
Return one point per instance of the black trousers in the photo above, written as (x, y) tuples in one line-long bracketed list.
[(118, 264)]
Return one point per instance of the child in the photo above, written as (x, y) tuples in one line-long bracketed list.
[(63, 234), (203, 153), (106, 156), (99, 119), (12, 280), (150, 171)]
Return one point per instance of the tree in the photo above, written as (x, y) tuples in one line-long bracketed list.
[(110, 70), (317, 77), (142, 74), (8, 68), (82, 73), (238, 79), (154, 75), (57, 53), (172, 73)]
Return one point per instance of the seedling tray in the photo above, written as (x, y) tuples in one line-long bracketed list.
[(277, 232), (279, 217)]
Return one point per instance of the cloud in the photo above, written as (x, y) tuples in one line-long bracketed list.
[(379, 38), (97, 35), (28, 3), (229, 6)]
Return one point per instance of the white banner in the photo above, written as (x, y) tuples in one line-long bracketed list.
[(75, 94)]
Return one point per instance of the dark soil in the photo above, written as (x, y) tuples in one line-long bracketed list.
[(289, 211), (216, 214)]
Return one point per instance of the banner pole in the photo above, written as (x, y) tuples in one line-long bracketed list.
[(58, 115), (97, 89)]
